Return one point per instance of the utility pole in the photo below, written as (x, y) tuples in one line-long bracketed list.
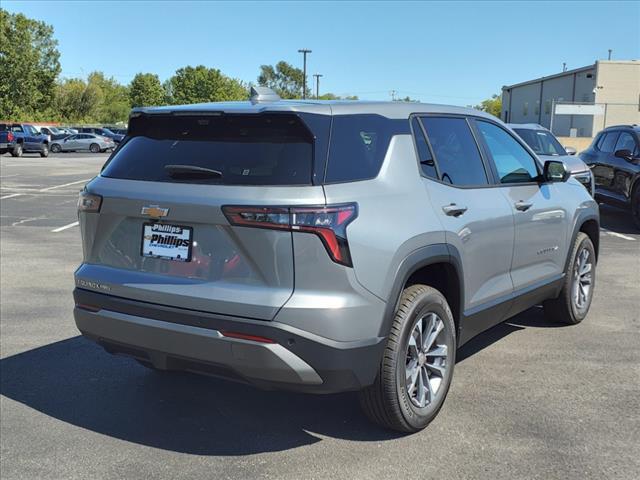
[(393, 95), (610, 54), (317, 75), (304, 52)]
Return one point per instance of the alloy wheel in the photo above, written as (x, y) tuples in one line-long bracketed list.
[(426, 360), (582, 279)]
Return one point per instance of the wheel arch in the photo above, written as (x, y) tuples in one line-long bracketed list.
[(438, 266), (588, 223)]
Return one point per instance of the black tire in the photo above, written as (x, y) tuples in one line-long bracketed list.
[(388, 402), (55, 148), (635, 205), (44, 153), (94, 148), (17, 150), (565, 308)]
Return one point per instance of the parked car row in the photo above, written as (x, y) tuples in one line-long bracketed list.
[(19, 138), (609, 169)]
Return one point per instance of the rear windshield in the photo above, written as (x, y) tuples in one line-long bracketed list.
[(269, 149)]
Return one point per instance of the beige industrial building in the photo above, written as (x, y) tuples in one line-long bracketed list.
[(579, 102)]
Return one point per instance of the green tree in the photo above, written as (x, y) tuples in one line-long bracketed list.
[(77, 100), (146, 90), (115, 105), (331, 96), (284, 79), (201, 84), (491, 105), (406, 99), (29, 65)]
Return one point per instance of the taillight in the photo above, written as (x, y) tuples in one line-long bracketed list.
[(10, 137), (88, 202), (329, 223)]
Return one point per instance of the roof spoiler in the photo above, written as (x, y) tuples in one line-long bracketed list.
[(263, 94)]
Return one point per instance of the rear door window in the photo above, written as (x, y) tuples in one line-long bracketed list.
[(359, 144), (626, 142), (268, 149), (455, 151)]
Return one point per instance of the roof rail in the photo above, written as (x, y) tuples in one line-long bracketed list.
[(263, 94)]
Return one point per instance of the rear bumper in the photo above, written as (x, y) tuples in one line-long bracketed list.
[(181, 339)]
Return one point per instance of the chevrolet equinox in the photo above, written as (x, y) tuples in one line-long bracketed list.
[(327, 246)]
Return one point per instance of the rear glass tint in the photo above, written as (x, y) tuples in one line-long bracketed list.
[(246, 149), (359, 144)]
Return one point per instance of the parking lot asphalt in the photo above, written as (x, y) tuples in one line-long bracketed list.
[(529, 399)]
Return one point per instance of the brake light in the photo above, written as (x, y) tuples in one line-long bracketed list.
[(10, 137), (328, 223)]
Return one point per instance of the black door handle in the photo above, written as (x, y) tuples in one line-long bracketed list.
[(523, 206), (453, 210)]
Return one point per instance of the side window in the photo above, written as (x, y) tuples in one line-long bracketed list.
[(513, 162), (359, 144), (608, 142), (427, 164), (625, 142), (455, 151)]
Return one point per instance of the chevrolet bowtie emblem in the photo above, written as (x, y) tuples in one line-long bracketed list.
[(154, 211)]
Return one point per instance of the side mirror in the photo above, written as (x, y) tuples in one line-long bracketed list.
[(570, 150), (555, 171), (624, 154)]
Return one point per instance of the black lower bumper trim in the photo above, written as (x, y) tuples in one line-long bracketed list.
[(341, 367)]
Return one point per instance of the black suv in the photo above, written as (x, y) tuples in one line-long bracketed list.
[(614, 159)]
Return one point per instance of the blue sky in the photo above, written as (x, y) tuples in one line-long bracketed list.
[(457, 53)]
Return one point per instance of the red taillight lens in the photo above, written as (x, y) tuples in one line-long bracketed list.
[(10, 137), (329, 223)]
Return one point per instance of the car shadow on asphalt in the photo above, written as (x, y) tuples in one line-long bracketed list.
[(77, 382)]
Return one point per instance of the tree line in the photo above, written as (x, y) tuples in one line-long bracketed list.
[(31, 88)]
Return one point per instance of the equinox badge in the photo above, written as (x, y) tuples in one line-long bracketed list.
[(154, 211)]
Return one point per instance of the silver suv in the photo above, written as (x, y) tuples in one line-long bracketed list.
[(326, 246)]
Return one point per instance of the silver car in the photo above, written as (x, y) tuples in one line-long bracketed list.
[(83, 141), (327, 246), (547, 147)]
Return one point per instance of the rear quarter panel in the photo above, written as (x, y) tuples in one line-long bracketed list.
[(395, 217)]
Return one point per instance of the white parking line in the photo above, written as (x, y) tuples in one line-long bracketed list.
[(59, 229), (11, 196), (616, 234), (64, 185)]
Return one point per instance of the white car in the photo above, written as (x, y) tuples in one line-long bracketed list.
[(547, 147), (83, 141)]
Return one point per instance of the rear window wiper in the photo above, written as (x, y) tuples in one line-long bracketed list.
[(191, 172)]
